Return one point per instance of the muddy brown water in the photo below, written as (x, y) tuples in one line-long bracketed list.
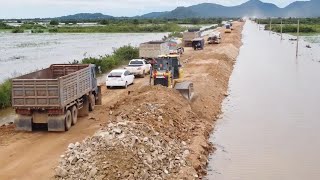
[(270, 126)]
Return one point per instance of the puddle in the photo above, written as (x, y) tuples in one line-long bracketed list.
[(270, 128)]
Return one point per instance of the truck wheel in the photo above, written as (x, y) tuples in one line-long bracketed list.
[(74, 112), (68, 120), (92, 102), (143, 74), (126, 85)]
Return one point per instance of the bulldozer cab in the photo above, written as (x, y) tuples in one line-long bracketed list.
[(169, 64), (168, 72)]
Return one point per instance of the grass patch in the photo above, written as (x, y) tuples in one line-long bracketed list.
[(108, 62), (5, 94), (5, 26), (290, 28), (17, 30), (116, 28)]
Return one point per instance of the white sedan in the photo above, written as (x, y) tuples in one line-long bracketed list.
[(119, 77)]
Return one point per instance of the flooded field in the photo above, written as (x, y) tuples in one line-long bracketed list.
[(270, 125), (23, 53)]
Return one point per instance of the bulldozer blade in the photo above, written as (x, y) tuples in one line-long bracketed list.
[(23, 123), (56, 123), (186, 89)]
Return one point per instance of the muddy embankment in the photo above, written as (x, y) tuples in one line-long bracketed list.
[(140, 133)]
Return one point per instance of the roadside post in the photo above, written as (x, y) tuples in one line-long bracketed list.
[(281, 29), (270, 26), (298, 35)]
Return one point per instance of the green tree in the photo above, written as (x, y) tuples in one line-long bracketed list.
[(54, 22), (135, 22), (105, 22)]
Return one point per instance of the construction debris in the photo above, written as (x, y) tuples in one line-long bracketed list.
[(126, 150)]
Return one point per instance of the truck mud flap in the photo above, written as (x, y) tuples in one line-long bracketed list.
[(186, 89), (56, 123), (23, 123), (99, 96), (84, 111)]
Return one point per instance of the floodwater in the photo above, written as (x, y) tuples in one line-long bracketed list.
[(24, 53), (270, 126)]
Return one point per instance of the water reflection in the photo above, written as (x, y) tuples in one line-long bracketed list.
[(23, 53), (270, 126)]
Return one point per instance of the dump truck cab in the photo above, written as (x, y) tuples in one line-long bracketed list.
[(198, 43)]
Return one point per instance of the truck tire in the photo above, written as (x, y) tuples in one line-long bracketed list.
[(126, 85), (143, 74), (92, 102), (74, 112), (68, 120)]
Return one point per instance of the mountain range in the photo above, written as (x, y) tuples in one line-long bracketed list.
[(251, 8)]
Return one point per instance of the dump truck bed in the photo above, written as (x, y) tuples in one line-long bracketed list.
[(153, 49), (54, 87)]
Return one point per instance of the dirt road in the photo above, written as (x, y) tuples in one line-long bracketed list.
[(35, 155)]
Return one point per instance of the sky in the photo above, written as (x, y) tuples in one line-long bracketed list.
[(56, 8)]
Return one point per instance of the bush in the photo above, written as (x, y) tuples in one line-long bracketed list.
[(175, 34), (54, 22), (53, 30), (37, 31), (107, 62), (17, 30), (5, 26), (291, 28), (125, 53), (5, 94), (31, 25)]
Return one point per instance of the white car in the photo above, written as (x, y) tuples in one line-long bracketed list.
[(119, 78), (138, 67)]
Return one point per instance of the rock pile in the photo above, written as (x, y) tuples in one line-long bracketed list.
[(123, 150)]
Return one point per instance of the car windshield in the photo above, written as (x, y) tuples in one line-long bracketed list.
[(136, 63), (115, 74)]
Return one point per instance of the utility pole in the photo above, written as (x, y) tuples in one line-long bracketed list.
[(281, 29), (270, 26), (298, 35)]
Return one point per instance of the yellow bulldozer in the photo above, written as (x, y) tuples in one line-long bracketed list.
[(168, 72)]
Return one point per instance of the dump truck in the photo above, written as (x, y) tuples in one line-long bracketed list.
[(153, 49), (189, 36), (54, 97)]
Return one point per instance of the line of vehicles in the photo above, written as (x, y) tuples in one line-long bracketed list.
[(56, 96), (160, 63)]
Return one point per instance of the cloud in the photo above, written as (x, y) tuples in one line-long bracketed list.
[(54, 8)]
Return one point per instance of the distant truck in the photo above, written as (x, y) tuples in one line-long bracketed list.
[(228, 28), (214, 38), (153, 49), (55, 96), (189, 36), (138, 67)]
